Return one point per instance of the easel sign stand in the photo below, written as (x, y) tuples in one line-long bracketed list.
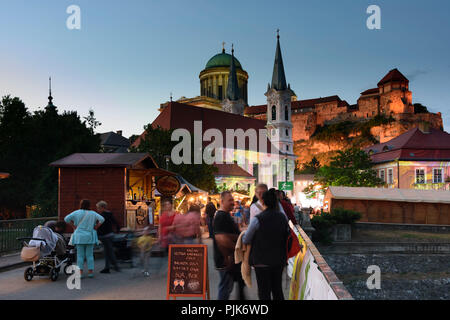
[(188, 274)]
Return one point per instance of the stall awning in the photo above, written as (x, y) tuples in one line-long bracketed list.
[(385, 194), (184, 185)]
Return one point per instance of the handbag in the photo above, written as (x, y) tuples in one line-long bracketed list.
[(30, 254), (71, 236), (293, 245)]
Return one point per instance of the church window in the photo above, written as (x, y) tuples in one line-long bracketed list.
[(287, 133), (287, 148), (220, 93), (286, 113), (274, 113)]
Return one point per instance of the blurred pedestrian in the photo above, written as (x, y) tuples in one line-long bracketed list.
[(237, 213), (85, 222), (286, 205), (145, 243), (256, 207), (106, 236), (187, 226), (245, 213), (165, 231), (268, 234), (210, 210), (226, 233)]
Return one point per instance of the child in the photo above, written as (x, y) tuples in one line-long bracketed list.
[(145, 243)]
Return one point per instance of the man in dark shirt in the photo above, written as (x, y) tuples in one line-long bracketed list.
[(210, 210), (226, 233), (106, 234)]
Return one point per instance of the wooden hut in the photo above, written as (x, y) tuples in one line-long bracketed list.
[(126, 181), (384, 205)]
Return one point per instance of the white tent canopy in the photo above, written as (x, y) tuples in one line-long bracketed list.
[(384, 194)]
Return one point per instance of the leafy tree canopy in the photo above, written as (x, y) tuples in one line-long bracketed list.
[(310, 167), (350, 168), (29, 142)]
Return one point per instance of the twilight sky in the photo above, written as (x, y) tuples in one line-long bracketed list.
[(129, 55)]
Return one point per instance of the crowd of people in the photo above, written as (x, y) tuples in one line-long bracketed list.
[(264, 228), (261, 226)]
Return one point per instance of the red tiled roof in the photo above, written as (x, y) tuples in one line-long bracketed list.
[(413, 145), (231, 169), (180, 115), (393, 75), (299, 104), (105, 160), (370, 91)]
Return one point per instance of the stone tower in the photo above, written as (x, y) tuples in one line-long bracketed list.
[(279, 124), (233, 103), (395, 97), (279, 95)]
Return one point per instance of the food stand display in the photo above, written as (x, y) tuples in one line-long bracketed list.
[(186, 195), (126, 181)]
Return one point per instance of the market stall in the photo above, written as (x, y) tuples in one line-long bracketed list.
[(126, 181)]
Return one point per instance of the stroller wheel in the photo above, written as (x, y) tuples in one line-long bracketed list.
[(28, 274), (66, 271), (54, 274)]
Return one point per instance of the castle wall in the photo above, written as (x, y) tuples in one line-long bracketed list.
[(368, 107), (392, 102), (304, 125), (328, 111)]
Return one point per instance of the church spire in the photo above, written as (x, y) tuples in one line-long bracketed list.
[(232, 88), (50, 105), (278, 76)]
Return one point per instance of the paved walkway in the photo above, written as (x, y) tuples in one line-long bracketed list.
[(9, 261), (127, 284)]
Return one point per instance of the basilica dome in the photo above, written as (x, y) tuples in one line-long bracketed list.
[(222, 60)]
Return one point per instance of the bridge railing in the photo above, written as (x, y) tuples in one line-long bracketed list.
[(311, 276), (12, 229)]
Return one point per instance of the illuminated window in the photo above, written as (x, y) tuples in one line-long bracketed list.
[(390, 176), (437, 175), (382, 175), (420, 176)]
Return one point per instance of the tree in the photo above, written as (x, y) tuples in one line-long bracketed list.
[(92, 121), (350, 168), (310, 167), (157, 142), (28, 144)]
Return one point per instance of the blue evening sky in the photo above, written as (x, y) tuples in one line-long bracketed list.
[(129, 55)]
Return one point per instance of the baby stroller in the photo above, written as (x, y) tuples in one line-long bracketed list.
[(48, 251), (124, 247)]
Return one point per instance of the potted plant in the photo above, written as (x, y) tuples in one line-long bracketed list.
[(344, 220), (334, 226)]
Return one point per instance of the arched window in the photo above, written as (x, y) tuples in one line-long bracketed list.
[(274, 113), (286, 114)]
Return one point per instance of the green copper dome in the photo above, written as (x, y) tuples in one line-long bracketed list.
[(222, 60)]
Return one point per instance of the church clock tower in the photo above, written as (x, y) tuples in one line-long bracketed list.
[(279, 124)]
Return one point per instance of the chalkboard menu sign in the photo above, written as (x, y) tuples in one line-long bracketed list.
[(188, 271)]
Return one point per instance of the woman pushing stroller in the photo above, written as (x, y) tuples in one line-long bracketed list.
[(85, 223)]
